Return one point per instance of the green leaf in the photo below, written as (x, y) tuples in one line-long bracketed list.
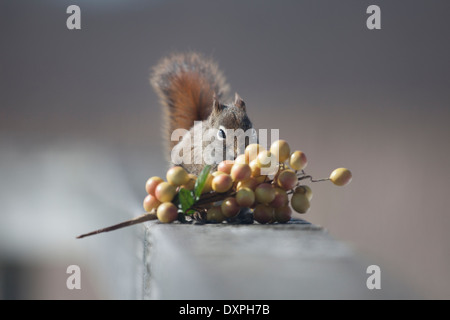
[(201, 180), (186, 200)]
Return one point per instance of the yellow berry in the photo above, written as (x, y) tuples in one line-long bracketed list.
[(255, 168), (225, 166), (298, 160), (265, 159), (167, 212), (282, 214), (240, 171), (245, 197), (240, 159), (230, 207), (300, 202), (222, 183), (341, 176), (287, 179), (281, 150), (251, 152), (177, 176), (264, 193), (215, 214), (150, 203), (281, 198), (151, 184), (263, 214), (165, 192), (305, 190)]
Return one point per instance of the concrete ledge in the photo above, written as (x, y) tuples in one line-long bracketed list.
[(297, 260)]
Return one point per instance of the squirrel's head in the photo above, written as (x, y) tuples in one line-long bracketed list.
[(230, 116), (232, 119)]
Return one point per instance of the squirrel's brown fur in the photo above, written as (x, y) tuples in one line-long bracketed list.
[(190, 86), (186, 84)]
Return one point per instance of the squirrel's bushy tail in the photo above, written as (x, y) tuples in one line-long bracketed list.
[(186, 84)]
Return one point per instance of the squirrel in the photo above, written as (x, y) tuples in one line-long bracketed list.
[(190, 87)]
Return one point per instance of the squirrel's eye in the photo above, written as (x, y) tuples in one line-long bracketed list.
[(221, 133)]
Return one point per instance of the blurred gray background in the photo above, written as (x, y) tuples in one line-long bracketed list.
[(80, 127)]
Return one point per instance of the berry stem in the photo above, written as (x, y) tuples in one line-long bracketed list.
[(311, 179), (214, 197)]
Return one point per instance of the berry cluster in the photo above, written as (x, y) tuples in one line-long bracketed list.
[(242, 183), (267, 182)]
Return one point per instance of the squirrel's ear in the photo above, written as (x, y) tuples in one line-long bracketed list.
[(238, 102), (217, 107)]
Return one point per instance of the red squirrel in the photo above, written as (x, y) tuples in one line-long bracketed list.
[(190, 87)]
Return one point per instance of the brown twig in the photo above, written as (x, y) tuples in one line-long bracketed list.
[(145, 217)]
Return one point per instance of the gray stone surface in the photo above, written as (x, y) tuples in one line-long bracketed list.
[(55, 191), (52, 191), (297, 260)]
